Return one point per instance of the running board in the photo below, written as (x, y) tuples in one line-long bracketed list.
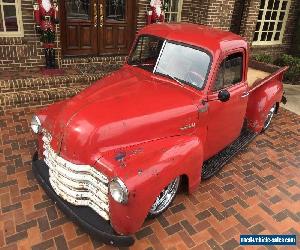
[(214, 164)]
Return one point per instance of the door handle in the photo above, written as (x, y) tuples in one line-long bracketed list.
[(245, 94), (95, 16), (101, 15)]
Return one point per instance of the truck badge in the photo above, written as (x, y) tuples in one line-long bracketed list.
[(188, 126)]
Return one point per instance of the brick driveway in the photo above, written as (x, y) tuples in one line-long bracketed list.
[(258, 192)]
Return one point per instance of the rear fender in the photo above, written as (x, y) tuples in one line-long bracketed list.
[(260, 101), (149, 172)]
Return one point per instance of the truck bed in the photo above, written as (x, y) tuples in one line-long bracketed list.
[(260, 73), (256, 75)]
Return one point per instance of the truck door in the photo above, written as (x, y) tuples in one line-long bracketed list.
[(227, 103)]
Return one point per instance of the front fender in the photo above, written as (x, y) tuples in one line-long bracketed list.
[(148, 172), (260, 101)]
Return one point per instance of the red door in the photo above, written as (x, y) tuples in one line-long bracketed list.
[(97, 27), (225, 119)]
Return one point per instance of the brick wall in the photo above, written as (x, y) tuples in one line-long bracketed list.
[(219, 14), (197, 11), (27, 52), (237, 15), (142, 6), (22, 52)]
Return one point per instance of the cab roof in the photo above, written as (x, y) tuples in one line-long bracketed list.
[(211, 39)]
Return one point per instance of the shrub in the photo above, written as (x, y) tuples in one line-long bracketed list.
[(262, 58), (293, 74)]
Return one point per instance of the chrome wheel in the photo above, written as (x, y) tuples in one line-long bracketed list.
[(165, 198), (269, 117)]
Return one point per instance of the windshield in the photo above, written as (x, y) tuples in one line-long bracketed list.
[(182, 63), (146, 52)]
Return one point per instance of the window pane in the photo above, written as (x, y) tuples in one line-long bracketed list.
[(10, 18), (257, 26), (266, 26), (281, 16), (271, 26), (260, 14), (255, 36), (220, 78), (233, 69), (115, 10), (277, 35), (284, 5), (78, 9), (269, 36), (1, 22), (167, 17), (270, 4), (8, 1), (262, 4), (279, 25), (268, 15), (274, 15), (276, 5), (173, 17), (263, 36), (174, 7)]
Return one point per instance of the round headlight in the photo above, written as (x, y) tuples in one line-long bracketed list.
[(118, 190), (36, 124)]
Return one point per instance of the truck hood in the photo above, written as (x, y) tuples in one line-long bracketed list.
[(128, 107)]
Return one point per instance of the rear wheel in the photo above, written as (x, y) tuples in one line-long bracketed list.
[(269, 117), (164, 199)]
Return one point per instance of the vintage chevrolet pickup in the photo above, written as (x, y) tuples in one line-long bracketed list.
[(173, 115)]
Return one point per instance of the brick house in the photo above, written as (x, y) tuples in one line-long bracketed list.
[(102, 31)]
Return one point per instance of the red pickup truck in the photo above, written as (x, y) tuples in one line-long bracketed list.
[(173, 115)]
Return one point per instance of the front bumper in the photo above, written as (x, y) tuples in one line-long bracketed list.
[(87, 218)]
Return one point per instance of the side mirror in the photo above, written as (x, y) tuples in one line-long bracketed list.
[(224, 95)]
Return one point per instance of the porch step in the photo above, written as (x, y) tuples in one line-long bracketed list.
[(47, 83), (93, 63), (26, 90), (38, 97)]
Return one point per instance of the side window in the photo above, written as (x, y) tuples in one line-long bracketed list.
[(230, 71)]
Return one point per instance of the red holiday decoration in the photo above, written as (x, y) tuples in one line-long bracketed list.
[(46, 16)]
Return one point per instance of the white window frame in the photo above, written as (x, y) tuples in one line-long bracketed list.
[(20, 32), (273, 42), (178, 12), (284, 21)]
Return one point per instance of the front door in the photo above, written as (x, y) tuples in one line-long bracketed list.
[(97, 27), (225, 119)]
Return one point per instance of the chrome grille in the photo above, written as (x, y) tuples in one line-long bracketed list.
[(81, 185)]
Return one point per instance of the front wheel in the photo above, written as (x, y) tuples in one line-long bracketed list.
[(164, 199), (269, 117)]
